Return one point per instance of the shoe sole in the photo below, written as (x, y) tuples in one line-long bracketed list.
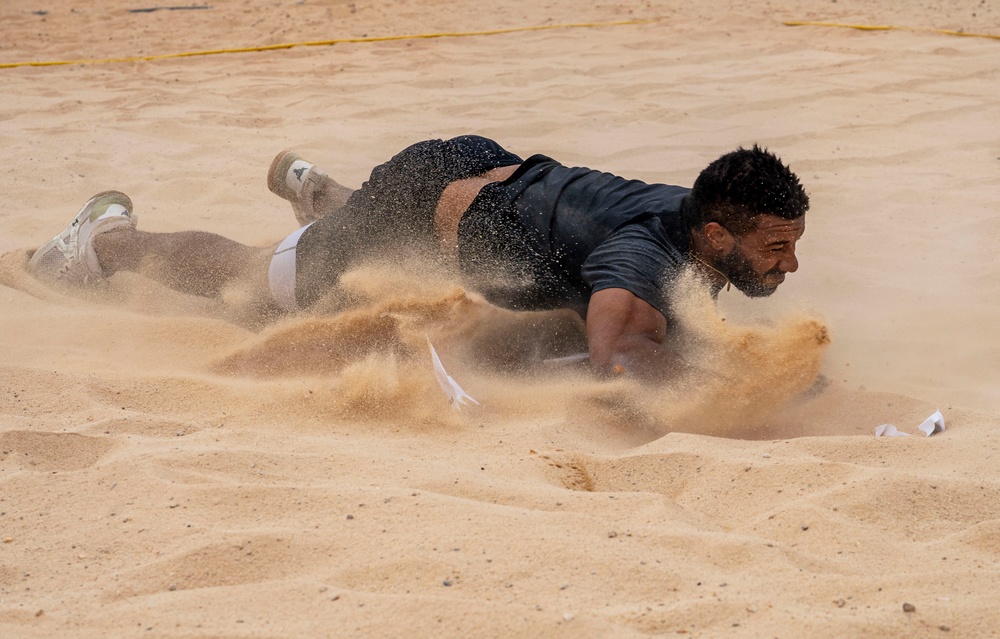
[(277, 173)]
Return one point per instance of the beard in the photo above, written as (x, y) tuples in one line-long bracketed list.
[(740, 272)]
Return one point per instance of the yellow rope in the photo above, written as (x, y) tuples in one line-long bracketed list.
[(880, 27), (324, 43)]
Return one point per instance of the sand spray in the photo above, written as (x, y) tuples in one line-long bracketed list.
[(733, 376), (366, 347)]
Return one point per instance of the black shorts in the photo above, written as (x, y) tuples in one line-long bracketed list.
[(393, 210)]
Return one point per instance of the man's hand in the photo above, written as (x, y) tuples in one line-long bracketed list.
[(625, 335)]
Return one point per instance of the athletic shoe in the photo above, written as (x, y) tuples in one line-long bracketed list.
[(293, 179), (70, 256)]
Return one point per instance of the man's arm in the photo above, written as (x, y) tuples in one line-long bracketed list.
[(626, 335)]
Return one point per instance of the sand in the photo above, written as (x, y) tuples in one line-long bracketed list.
[(169, 469)]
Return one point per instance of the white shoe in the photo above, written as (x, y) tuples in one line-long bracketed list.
[(70, 256), (293, 179)]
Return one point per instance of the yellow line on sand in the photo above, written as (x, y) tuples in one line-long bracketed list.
[(324, 43), (884, 27)]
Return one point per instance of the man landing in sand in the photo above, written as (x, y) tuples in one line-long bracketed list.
[(526, 234)]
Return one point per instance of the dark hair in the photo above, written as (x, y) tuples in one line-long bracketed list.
[(741, 185)]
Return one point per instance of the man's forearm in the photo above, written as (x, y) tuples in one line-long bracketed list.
[(638, 357), (626, 335)]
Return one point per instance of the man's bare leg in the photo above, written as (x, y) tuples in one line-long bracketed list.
[(102, 239), (192, 262), (329, 196)]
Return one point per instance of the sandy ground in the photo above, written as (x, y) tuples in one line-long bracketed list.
[(151, 487)]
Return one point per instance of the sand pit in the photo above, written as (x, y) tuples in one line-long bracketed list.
[(169, 468)]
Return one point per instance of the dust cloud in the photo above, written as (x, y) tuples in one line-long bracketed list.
[(734, 376), (368, 346)]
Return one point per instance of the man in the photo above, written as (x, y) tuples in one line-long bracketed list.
[(527, 234)]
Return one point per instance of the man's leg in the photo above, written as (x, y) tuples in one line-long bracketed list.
[(312, 193), (102, 240), (329, 196), (391, 216), (192, 262)]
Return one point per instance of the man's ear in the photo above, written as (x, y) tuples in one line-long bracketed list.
[(719, 239)]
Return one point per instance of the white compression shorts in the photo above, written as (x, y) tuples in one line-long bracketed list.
[(281, 272)]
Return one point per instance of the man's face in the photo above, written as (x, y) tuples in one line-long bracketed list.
[(761, 257)]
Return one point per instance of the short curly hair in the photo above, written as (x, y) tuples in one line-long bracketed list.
[(742, 184)]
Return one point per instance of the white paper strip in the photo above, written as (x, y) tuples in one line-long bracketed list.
[(933, 424), (456, 396), (567, 360), (888, 430)]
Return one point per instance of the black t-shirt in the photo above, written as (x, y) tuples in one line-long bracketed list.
[(583, 231)]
